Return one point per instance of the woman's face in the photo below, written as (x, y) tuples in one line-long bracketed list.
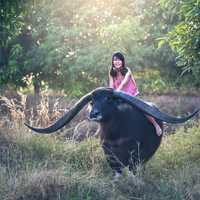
[(117, 63)]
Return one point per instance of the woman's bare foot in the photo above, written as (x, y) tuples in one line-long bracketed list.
[(158, 129)]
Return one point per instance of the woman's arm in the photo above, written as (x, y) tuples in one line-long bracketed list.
[(125, 80), (110, 81)]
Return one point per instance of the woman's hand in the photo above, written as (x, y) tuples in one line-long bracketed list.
[(125, 80)]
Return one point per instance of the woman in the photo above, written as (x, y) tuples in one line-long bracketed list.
[(121, 78)]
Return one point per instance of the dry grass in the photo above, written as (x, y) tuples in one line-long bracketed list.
[(43, 167), (40, 167)]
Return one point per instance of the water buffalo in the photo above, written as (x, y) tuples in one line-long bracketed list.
[(127, 136)]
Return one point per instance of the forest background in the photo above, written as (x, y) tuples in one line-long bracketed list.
[(67, 45)]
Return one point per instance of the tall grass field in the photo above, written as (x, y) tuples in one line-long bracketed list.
[(35, 167)]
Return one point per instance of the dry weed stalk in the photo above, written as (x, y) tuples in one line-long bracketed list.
[(14, 113)]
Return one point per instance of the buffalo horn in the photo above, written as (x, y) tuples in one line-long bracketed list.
[(66, 118), (151, 110)]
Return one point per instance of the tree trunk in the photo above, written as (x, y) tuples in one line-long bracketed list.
[(2, 57), (33, 103), (36, 89)]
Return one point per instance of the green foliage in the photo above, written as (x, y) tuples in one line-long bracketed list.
[(69, 45), (11, 26), (151, 82), (136, 33), (11, 19), (184, 39)]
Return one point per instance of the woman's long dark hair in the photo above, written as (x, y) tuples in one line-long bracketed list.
[(123, 70)]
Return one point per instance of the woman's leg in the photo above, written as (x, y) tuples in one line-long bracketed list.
[(153, 121), (156, 125)]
